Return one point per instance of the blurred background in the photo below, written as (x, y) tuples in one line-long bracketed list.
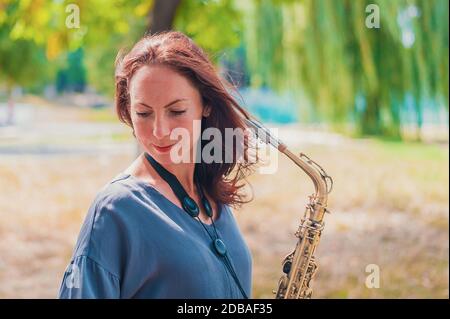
[(360, 86)]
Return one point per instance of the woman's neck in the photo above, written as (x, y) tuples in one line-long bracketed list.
[(184, 172)]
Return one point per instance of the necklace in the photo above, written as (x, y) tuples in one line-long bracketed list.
[(191, 207)]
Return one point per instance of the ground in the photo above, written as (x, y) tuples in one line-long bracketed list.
[(389, 205)]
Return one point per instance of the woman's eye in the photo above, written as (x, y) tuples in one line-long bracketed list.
[(177, 112), (146, 114)]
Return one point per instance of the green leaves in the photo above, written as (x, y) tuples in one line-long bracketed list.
[(325, 49), (214, 25)]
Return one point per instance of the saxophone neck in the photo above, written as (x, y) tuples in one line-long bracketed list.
[(317, 174), (323, 183)]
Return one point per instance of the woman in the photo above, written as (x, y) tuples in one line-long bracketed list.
[(164, 228)]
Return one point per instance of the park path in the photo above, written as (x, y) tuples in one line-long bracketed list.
[(39, 130)]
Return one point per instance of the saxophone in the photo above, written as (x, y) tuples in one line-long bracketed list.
[(299, 267)]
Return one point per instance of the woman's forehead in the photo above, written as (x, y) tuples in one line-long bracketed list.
[(160, 83)]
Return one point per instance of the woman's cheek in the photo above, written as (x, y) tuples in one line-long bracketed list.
[(143, 131)]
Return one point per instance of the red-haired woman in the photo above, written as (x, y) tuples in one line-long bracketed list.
[(164, 227)]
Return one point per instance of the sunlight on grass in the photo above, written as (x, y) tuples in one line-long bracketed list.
[(389, 207), (106, 114)]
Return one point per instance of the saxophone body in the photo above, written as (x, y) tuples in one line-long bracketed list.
[(299, 267)]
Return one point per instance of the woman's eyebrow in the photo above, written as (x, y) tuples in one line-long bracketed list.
[(171, 103)]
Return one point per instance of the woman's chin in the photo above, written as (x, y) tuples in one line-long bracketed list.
[(162, 158)]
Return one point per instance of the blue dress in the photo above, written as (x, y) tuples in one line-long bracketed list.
[(136, 243)]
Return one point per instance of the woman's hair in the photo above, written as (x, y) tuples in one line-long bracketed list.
[(178, 52)]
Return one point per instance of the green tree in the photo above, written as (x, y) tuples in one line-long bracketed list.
[(323, 48), (106, 26)]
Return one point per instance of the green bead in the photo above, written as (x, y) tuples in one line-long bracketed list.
[(190, 206), (220, 247)]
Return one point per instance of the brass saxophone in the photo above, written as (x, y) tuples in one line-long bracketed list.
[(299, 267)]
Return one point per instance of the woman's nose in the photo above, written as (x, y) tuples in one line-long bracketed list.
[(161, 128)]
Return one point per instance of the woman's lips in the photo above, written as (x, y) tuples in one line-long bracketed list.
[(163, 149)]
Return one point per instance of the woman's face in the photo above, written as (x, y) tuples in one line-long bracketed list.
[(161, 101)]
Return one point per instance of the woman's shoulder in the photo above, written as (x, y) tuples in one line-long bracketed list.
[(121, 192), (109, 216), (117, 189)]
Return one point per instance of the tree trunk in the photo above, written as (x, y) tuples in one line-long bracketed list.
[(393, 130), (11, 105), (162, 15), (370, 121), (419, 117)]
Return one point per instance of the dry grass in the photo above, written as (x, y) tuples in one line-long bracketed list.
[(42, 204), (389, 207)]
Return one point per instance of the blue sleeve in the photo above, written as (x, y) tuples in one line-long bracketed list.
[(84, 278)]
